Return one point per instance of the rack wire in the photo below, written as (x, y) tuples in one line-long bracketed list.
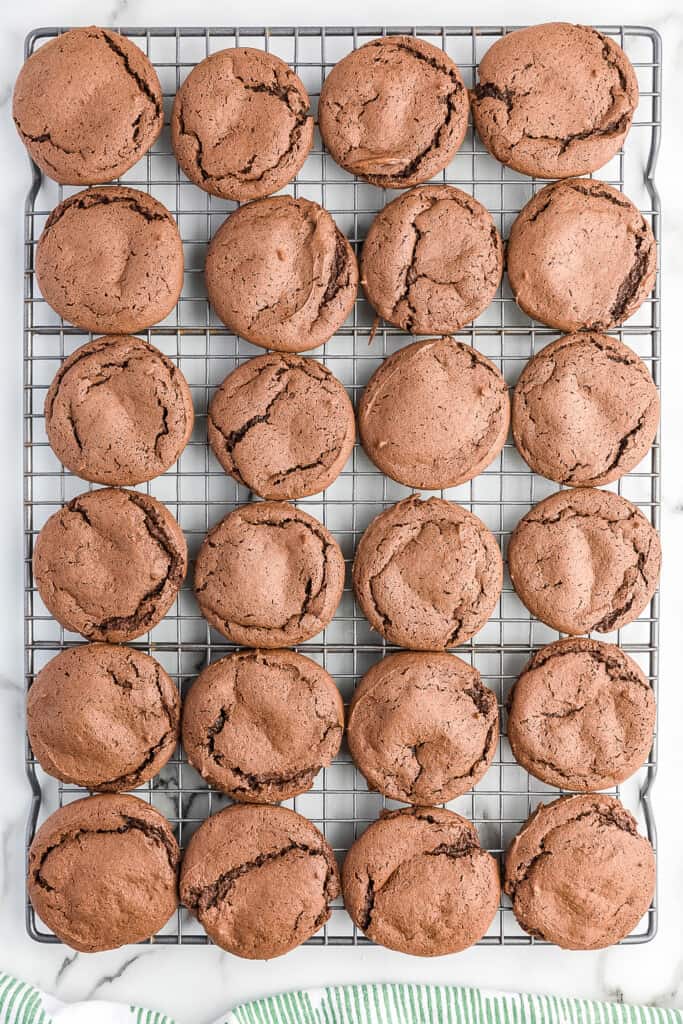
[(199, 493)]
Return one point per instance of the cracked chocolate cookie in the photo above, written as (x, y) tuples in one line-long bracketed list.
[(282, 425), (418, 881), (585, 410), (110, 260), (422, 728), (259, 879), (87, 105), (269, 575), (581, 715), (581, 256), (103, 717), (427, 574), (118, 411), (102, 872), (554, 100), (109, 564), (394, 111), (585, 560), (435, 414), (280, 273), (432, 260), (579, 874), (260, 725), (241, 126)]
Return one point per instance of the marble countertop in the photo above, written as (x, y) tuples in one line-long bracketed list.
[(195, 984)]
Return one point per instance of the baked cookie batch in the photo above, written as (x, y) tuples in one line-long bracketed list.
[(260, 723)]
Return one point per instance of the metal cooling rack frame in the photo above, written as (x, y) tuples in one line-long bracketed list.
[(199, 493)]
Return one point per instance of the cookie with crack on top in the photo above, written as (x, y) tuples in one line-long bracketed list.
[(241, 126), (110, 563), (103, 717), (434, 414), (581, 715), (394, 111), (585, 560), (427, 574), (282, 425), (259, 879), (269, 575), (280, 273), (581, 256), (103, 872), (579, 874), (110, 260), (432, 260), (554, 100), (585, 410), (418, 881), (87, 106)]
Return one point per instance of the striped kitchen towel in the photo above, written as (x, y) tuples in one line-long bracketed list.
[(352, 1004)]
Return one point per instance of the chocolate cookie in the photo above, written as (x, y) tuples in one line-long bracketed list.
[(394, 111), (259, 726), (579, 874), (259, 879), (422, 728), (280, 273), (102, 872), (585, 410), (110, 260), (103, 717), (269, 575), (118, 411), (432, 260), (109, 564), (585, 560), (581, 715), (418, 881), (435, 413), (282, 425), (241, 126), (554, 100), (87, 106), (580, 255), (427, 574)]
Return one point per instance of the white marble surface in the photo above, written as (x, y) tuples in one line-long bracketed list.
[(195, 984)]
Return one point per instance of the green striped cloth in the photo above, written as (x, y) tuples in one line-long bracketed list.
[(353, 1004)]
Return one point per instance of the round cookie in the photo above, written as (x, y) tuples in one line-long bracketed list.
[(260, 725), (102, 872), (259, 879), (581, 256), (109, 564), (241, 126), (435, 414), (418, 881), (581, 715), (422, 728), (585, 410), (103, 717), (110, 260), (282, 425), (427, 574), (118, 411), (280, 273), (554, 100), (269, 575), (87, 105), (432, 260), (394, 111), (579, 874)]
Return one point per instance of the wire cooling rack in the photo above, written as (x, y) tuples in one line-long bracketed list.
[(199, 493)]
